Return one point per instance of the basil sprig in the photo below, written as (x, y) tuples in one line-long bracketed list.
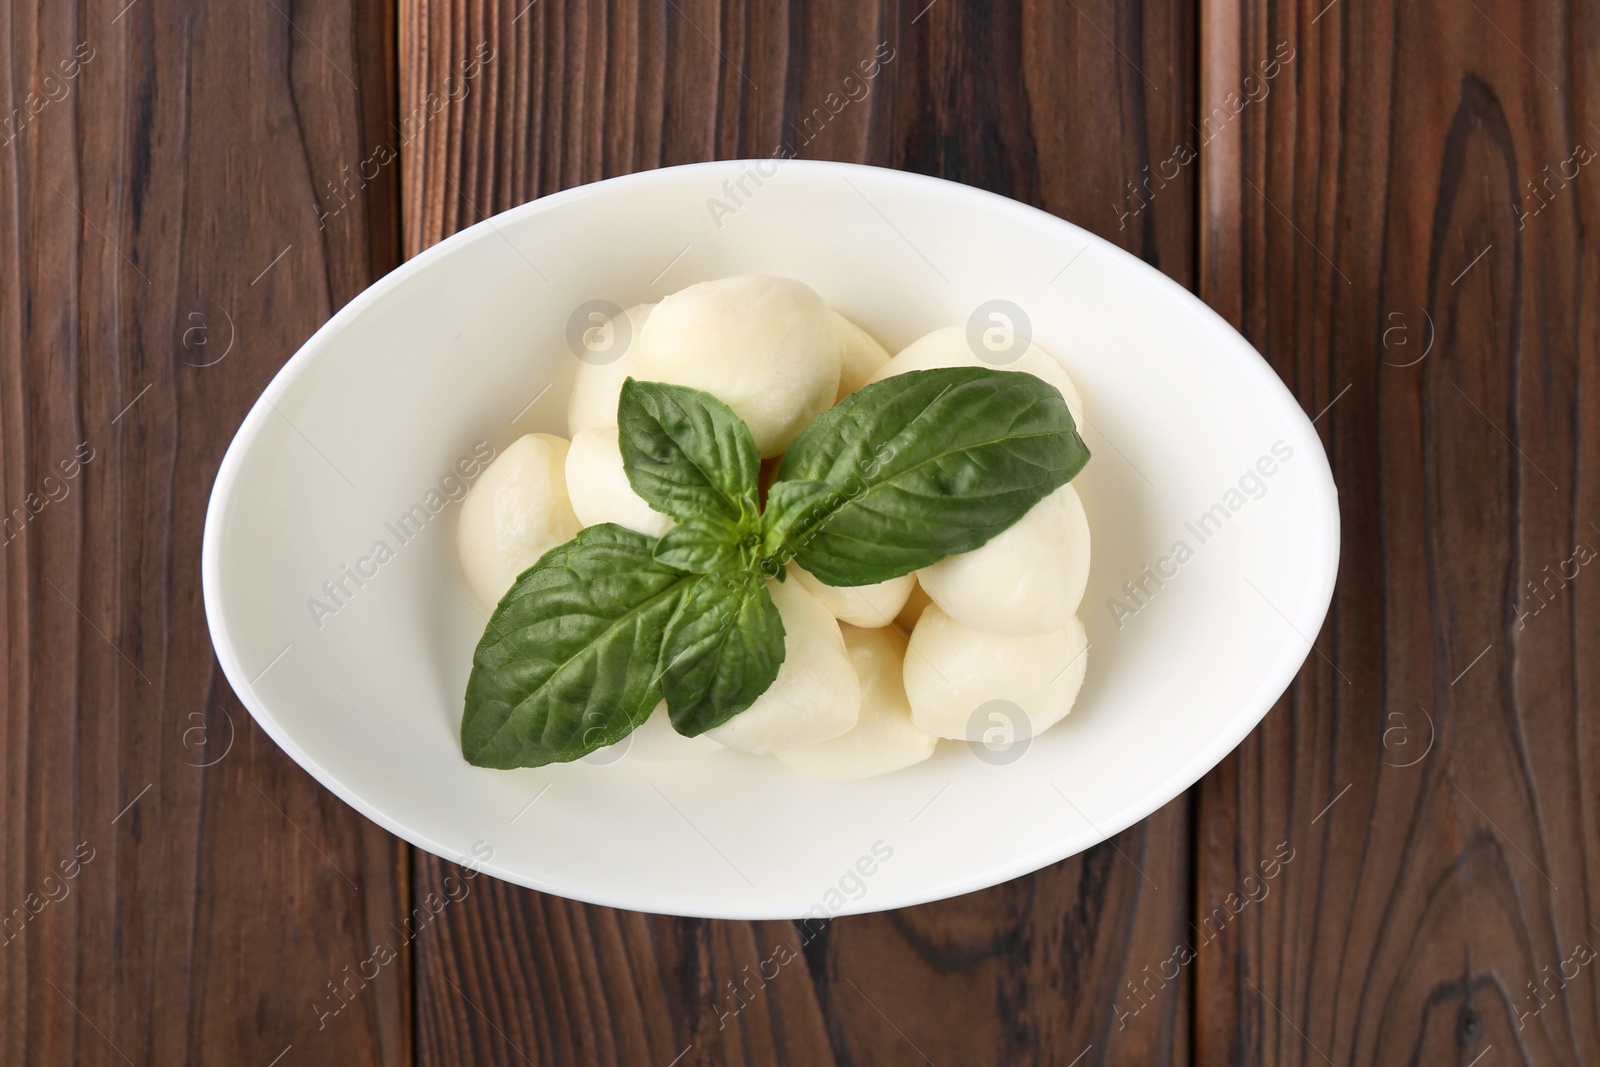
[(897, 476)]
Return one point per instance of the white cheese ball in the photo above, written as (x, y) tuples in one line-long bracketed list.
[(906, 621), (767, 347), (597, 386), (816, 694), (953, 674), (948, 347), (1028, 579), (859, 605), (883, 739), (599, 486), (861, 358), (516, 513)]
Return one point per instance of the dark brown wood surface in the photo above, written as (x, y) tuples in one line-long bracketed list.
[(212, 181), (1387, 195), (162, 257)]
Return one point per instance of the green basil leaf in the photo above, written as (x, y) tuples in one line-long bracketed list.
[(686, 453), (723, 649), (704, 544), (794, 511), (923, 465), (570, 660)]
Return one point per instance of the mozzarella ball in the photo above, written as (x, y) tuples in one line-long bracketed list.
[(906, 621), (767, 347), (861, 357), (597, 386), (516, 513), (860, 605), (1028, 579), (599, 486), (954, 672), (883, 738), (655, 741), (948, 347), (816, 694)]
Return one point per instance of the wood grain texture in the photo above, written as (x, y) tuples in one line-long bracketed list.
[(1386, 198), (173, 889), (1005, 97), (1390, 194)]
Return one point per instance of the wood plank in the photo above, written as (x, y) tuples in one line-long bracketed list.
[(1372, 203), (1048, 103), (162, 258)]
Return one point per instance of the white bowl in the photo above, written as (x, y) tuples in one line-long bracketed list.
[(468, 343)]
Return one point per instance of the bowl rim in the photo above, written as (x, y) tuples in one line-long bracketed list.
[(1321, 570)]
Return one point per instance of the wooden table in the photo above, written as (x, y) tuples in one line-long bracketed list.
[(1389, 199)]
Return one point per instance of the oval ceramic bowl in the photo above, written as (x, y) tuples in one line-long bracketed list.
[(338, 608)]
